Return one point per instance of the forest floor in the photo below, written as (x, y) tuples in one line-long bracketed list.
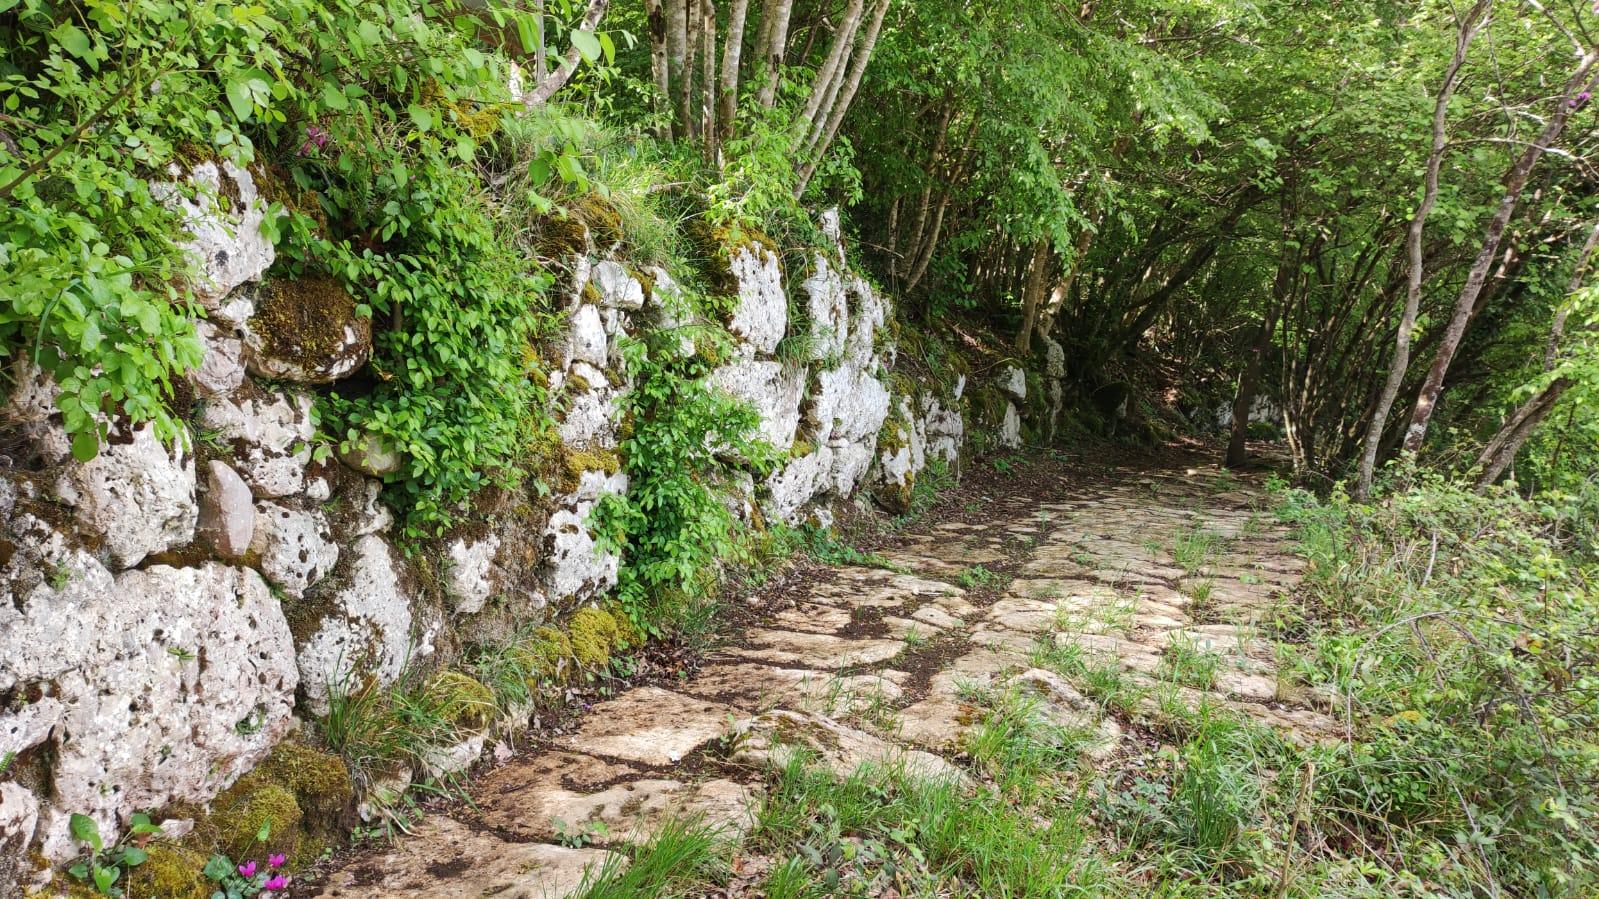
[(1053, 630)]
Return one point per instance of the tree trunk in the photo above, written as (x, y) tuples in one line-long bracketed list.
[(1033, 295), (831, 74), (659, 67), (840, 106), (708, 76), (541, 53), (677, 51), (1465, 304), (774, 38), (1407, 322), (732, 54), (569, 62)]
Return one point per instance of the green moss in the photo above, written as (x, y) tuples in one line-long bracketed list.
[(988, 405), (801, 448), (304, 317), (595, 633), (320, 780), (561, 234), (544, 655), (896, 498), (240, 814), (576, 462), (171, 872), (602, 219), (461, 699)]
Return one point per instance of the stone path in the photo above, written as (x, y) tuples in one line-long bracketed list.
[(1155, 582)]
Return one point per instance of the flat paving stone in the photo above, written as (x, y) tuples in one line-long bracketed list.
[(650, 726), (820, 651), (773, 740), (444, 859), (755, 687)]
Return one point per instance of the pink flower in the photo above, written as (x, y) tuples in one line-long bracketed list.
[(277, 882), (247, 869), (276, 861)]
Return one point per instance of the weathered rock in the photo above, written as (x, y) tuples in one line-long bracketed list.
[(574, 564), (649, 726), (773, 739), (372, 455), (797, 483), (221, 368), (270, 436), (307, 330), (468, 575), (1054, 358), (586, 340), (1010, 433), (772, 388), (821, 651), (144, 721), (848, 406), (757, 687), (222, 211), (444, 859), (617, 288), (29, 726), (827, 307), (360, 622), (19, 818), (590, 420), (762, 313), (227, 511), (1013, 383), (136, 496), (295, 548)]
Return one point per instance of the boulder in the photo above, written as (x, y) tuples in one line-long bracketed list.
[(586, 340), (359, 624), (827, 307), (848, 406), (221, 368), (222, 211), (371, 454), (617, 288), (468, 574), (295, 548), (761, 316), (772, 388), (136, 497), (1013, 383), (227, 511), (170, 682), (306, 330), (575, 567), (269, 434), (804, 478)]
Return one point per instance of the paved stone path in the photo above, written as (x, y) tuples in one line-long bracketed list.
[(1158, 579)]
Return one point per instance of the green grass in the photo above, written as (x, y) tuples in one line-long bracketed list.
[(1193, 549)]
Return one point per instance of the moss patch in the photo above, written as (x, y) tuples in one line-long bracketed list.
[(252, 806), (305, 318), (463, 700), (577, 462), (171, 872), (595, 634)]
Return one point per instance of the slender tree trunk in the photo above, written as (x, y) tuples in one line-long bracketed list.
[(1033, 295), (1467, 32), (708, 77), (1507, 443), (569, 62), (840, 106), (541, 53), (659, 67), (732, 54), (677, 51), (1466, 303), (774, 45), (831, 72)]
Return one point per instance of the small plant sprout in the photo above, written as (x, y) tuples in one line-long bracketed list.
[(102, 868)]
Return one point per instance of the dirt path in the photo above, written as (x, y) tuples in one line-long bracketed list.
[(1152, 584)]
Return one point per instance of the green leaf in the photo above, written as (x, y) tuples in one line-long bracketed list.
[(609, 46), (72, 39), (333, 96), (85, 446), (586, 44), (133, 856), (238, 91), (83, 828), (217, 868), (422, 116)]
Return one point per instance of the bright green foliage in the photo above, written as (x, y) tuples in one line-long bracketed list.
[(1460, 627), (671, 525)]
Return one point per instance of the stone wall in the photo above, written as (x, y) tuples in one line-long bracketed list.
[(168, 613)]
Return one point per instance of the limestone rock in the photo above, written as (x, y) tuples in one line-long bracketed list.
[(773, 739), (223, 219), (1013, 383), (1010, 432), (360, 623), (586, 340), (590, 420), (372, 455), (848, 405), (576, 565), (823, 652), (29, 726), (469, 573), (797, 483), (227, 511), (444, 859), (174, 681), (295, 547), (270, 436), (649, 726), (762, 313), (136, 496), (19, 818), (221, 369), (306, 330), (617, 288), (772, 388), (827, 307), (1054, 358)]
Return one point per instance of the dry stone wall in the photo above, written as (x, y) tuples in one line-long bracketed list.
[(168, 613)]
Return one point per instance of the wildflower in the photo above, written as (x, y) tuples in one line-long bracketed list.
[(276, 882), (315, 139), (247, 869), (276, 861)]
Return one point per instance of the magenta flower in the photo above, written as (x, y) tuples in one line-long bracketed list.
[(276, 861), (247, 869), (277, 882), (315, 139)]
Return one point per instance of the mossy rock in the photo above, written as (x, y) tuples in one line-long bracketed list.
[(171, 872), (576, 462), (988, 406), (543, 655), (255, 804), (319, 780), (307, 329), (595, 633), (461, 699), (896, 498), (603, 221)]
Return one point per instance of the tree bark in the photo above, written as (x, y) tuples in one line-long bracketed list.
[(1033, 294), (774, 45), (732, 54), (831, 73), (677, 63), (707, 92), (1467, 32), (840, 106), (569, 62), (541, 53), (1465, 304), (659, 67)]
